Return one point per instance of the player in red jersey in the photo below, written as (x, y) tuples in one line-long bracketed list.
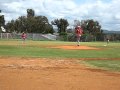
[(78, 32), (23, 36)]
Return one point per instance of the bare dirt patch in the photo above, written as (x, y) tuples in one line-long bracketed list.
[(76, 47), (53, 74)]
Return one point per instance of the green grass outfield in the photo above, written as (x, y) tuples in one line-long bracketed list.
[(42, 49)]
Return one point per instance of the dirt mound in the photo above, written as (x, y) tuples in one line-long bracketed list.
[(76, 47), (53, 74)]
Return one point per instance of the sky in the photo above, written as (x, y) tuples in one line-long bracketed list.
[(106, 12)]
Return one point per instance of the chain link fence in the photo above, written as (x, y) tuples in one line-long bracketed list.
[(30, 36)]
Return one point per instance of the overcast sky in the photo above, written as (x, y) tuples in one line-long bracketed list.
[(107, 12)]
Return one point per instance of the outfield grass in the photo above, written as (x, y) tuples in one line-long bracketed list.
[(42, 49)]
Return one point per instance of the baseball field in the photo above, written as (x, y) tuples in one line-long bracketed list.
[(58, 65)]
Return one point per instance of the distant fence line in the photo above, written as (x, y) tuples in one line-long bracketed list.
[(69, 37), (30, 36)]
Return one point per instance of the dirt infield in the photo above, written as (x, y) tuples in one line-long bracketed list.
[(53, 74), (76, 47)]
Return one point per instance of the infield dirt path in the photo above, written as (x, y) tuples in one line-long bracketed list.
[(58, 74)]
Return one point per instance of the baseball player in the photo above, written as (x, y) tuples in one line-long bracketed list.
[(78, 32)]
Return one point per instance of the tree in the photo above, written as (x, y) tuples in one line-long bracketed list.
[(30, 24), (30, 13), (41, 23), (2, 21), (10, 26), (61, 24), (92, 27)]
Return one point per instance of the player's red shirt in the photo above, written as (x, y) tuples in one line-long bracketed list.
[(79, 31), (23, 35)]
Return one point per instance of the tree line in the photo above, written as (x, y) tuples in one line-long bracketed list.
[(40, 24)]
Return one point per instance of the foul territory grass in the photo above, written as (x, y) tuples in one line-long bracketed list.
[(42, 49), (113, 65)]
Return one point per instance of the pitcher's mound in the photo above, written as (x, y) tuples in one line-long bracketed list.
[(76, 47)]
